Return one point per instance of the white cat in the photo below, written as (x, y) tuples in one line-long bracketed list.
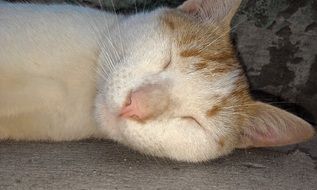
[(166, 83)]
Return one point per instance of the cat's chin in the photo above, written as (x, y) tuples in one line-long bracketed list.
[(122, 130)]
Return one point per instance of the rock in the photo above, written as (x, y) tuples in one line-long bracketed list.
[(106, 165), (277, 42)]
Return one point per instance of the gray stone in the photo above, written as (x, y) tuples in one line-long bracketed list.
[(277, 42), (106, 165)]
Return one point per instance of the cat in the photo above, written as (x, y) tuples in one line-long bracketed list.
[(166, 83)]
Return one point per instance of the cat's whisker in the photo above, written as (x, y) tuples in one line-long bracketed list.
[(117, 56), (144, 2), (100, 4), (103, 72), (135, 7), (111, 59), (107, 37), (208, 36), (237, 114), (109, 62), (118, 27), (113, 51), (253, 104), (223, 35), (108, 68), (272, 103), (237, 106)]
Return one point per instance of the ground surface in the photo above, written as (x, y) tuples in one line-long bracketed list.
[(106, 165)]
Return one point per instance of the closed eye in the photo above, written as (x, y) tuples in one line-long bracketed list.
[(167, 64), (191, 119)]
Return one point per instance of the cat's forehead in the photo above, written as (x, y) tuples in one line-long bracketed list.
[(190, 30), (207, 43)]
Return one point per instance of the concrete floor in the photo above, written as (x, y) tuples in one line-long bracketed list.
[(106, 165)]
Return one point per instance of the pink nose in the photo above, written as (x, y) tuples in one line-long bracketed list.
[(134, 109), (146, 102)]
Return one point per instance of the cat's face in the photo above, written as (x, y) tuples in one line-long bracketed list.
[(175, 88)]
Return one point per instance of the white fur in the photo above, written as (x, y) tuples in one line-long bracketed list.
[(50, 59)]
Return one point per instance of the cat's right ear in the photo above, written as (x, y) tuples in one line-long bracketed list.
[(270, 126), (219, 11)]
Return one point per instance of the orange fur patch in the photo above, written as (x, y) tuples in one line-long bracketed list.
[(190, 53), (169, 23), (220, 57), (201, 65), (237, 103), (221, 142), (208, 42), (211, 45), (215, 110)]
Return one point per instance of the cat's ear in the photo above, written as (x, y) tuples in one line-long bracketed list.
[(211, 10), (271, 126)]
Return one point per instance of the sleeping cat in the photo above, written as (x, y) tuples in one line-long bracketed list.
[(166, 83)]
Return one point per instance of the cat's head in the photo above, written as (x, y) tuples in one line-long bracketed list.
[(174, 88)]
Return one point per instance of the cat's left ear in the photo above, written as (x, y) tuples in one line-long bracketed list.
[(270, 126), (220, 11)]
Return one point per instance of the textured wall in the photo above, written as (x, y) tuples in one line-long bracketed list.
[(276, 41)]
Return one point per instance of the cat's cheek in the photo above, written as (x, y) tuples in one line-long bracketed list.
[(177, 139), (108, 124)]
